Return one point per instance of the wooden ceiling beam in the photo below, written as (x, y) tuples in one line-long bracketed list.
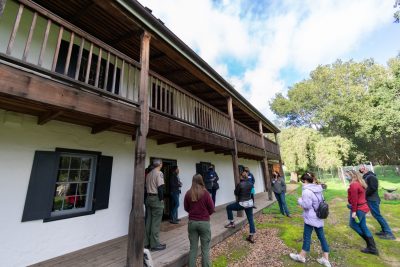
[(124, 36), (158, 57), (83, 11), (101, 127), (186, 143), (167, 140), (172, 72), (48, 116), (198, 147)]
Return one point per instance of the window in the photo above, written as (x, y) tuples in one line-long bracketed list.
[(74, 186), (67, 183)]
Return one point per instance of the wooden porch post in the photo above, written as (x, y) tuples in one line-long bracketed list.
[(136, 217), (267, 178), (234, 152), (280, 158), (2, 6)]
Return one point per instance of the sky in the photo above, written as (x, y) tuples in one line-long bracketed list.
[(263, 47)]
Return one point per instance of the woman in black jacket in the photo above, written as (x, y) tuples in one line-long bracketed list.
[(244, 202)]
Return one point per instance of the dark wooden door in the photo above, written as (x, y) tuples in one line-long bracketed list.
[(166, 170)]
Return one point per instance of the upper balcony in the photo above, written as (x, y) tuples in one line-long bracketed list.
[(55, 43)]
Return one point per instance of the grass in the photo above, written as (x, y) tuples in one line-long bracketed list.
[(345, 244)]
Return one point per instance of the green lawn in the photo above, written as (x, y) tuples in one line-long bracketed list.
[(345, 244)]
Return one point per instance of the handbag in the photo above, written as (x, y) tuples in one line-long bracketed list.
[(247, 204)]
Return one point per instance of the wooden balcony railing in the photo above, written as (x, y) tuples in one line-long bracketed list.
[(247, 135), (271, 146), (43, 39), (171, 100), (39, 39)]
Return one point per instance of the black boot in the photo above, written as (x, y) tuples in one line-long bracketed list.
[(371, 247)]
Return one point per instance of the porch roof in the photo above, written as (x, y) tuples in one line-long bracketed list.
[(120, 23)]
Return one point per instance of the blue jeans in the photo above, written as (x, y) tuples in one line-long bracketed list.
[(375, 211), (307, 238), (361, 228), (213, 193), (174, 206), (249, 214), (282, 203)]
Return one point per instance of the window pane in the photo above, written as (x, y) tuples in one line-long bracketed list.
[(80, 202), (64, 162), (71, 189), (85, 175), (75, 162), (82, 189), (61, 189), (86, 163), (69, 202), (73, 176), (62, 176), (57, 203)]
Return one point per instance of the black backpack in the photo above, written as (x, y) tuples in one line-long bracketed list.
[(323, 208)]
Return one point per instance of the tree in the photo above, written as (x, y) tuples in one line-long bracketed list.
[(358, 101), (298, 148), (332, 152), (397, 13)]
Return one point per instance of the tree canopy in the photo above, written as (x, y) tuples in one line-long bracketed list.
[(356, 101)]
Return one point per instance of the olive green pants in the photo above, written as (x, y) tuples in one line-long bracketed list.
[(154, 213), (202, 230)]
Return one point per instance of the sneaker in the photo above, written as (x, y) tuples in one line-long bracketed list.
[(289, 216), (380, 233), (387, 237), (230, 225), (324, 262), (297, 257), (250, 238), (254, 207)]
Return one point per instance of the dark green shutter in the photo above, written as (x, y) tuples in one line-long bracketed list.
[(102, 183), (38, 200)]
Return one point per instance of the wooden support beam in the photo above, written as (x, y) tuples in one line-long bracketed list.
[(101, 127), (234, 152), (280, 158), (48, 116), (267, 177), (136, 217)]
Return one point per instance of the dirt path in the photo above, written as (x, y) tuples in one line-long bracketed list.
[(266, 251)]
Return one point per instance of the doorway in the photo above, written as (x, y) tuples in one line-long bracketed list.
[(166, 170)]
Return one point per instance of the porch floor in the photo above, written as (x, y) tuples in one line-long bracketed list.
[(113, 252)]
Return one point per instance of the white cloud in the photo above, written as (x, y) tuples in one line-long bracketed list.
[(285, 34)]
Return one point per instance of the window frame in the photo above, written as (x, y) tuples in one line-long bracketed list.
[(54, 215)]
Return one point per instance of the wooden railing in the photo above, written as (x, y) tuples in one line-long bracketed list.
[(53, 44), (271, 146), (247, 135), (31, 34), (169, 99)]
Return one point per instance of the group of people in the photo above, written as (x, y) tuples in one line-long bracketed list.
[(199, 203), (362, 196)]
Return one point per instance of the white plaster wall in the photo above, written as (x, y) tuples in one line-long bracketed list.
[(30, 242), (186, 161)]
